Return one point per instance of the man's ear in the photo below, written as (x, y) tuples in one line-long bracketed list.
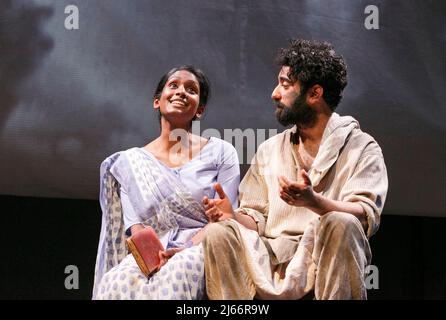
[(315, 94), (200, 112), (156, 104)]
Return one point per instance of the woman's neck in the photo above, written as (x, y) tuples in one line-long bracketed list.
[(172, 134), (176, 147)]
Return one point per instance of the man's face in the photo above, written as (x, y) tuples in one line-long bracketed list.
[(290, 102)]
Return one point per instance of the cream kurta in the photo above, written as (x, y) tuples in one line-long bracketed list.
[(348, 167)]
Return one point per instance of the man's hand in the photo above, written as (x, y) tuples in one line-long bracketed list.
[(297, 194), (303, 195), (218, 209)]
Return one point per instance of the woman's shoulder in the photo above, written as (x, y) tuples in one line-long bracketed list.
[(223, 151), (120, 156), (221, 144)]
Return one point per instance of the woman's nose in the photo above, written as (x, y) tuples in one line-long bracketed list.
[(180, 91)]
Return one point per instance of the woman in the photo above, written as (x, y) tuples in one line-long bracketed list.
[(162, 185)]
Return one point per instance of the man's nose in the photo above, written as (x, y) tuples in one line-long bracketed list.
[(276, 95)]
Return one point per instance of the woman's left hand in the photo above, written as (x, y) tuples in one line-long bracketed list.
[(218, 209), (165, 255)]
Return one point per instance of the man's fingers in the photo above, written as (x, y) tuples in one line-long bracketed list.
[(296, 188), (205, 200), (285, 197), (283, 186), (282, 181), (219, 190), (305, 177)]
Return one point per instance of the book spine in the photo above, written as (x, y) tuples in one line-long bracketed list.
[(139, 260)]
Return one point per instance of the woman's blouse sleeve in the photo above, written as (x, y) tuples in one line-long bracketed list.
[(229, 173), (128, 212)]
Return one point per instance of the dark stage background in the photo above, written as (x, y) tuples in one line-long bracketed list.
[(69, 98)]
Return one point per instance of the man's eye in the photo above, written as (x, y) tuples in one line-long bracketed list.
[(173, 85), (285, 84)]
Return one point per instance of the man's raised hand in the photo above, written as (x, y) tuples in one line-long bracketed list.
[(297, 194)]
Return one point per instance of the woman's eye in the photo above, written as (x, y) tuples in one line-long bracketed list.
[(173, 85), (192, 90)]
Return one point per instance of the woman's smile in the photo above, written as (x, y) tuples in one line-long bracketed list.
[(179, 102)]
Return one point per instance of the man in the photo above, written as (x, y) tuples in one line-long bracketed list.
[(310, 200)]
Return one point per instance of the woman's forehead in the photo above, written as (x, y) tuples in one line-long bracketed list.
[(184, 75)]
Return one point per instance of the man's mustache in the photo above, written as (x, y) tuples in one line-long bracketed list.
[(280, 105)]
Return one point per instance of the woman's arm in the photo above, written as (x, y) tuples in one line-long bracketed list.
[(226, 195), (228, 175), (132, 222), (221, 209)]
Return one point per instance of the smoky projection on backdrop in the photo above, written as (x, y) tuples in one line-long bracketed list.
[(77, 81)]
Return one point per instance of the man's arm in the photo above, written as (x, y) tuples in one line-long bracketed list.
[(303, 195), (246, 220), (325, 205)]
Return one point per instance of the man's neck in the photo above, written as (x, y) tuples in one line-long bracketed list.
[(313, 135)]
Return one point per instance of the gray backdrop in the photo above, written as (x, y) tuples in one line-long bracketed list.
[(70, 98)]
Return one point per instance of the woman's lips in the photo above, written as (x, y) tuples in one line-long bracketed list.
[(178, 102)]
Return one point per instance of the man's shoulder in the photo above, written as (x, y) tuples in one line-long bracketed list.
[(365, 140), (276, 140)]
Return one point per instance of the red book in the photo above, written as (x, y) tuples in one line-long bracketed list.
[(145, 246)]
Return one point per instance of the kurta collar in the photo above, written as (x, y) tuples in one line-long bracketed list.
[(334, 138)]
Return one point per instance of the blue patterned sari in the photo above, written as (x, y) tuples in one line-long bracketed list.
[(161, 202)]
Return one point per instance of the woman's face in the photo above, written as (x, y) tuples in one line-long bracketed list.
[(180, 98)]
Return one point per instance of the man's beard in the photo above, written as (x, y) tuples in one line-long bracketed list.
[(299, 113)]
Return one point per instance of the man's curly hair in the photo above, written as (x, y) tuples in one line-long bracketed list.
[(314, 62)]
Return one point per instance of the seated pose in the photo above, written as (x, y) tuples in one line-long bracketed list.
[(162, 185), (310, 200)]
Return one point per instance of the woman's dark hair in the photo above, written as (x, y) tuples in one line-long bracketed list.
[(313, 62), (203, 81)]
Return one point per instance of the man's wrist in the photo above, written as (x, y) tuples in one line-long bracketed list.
[(318, 204)]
